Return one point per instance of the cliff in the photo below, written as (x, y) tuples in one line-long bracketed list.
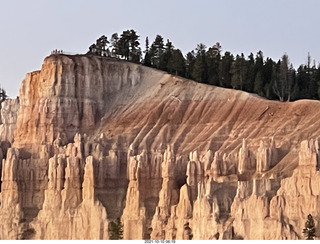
[(96, 139)]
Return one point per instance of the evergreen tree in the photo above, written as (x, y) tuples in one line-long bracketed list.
[(200, 71), (156, 50), (102, 43), (258, 84), (176, 64), (147, 56), (307, 79), (92, 49), (291, 92), (123, 46), (251, 75), (116, 230), (3, 95), (283, 82), (311, 73), (267, 77), (259, 60), (134, 46), (147, 45), (128, 46), (309, 230), (238, 71), (225, 70), (166, 56), (302, 82), (114, 45), (213, 61), (100, 47), (217, 47), (190, 61)]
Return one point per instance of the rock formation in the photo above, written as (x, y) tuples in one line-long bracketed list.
[(92, 139), (8, 119)]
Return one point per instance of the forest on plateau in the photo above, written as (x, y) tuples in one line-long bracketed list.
[(277, 80)]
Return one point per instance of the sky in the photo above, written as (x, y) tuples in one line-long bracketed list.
[(30, 30)]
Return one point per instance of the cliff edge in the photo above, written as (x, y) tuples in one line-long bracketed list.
[(96, 139)]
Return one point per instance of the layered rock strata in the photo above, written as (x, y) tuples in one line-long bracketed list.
[(96, 139)]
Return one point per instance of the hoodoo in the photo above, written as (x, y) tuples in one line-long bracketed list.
[(93, 139)]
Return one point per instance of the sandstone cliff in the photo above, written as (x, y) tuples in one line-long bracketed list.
[(98, 138)]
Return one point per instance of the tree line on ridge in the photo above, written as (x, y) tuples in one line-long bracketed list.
[(277, 80)]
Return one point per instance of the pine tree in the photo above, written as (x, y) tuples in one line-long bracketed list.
[(147, 56), (259, 81), (309, 230), (200, 70), (190, 61), (100, 47), (92, 49), (225, 70), (213, 58), (114, 45), (267, 77), (124, 44), (302, 82), (166, 56), (156, 50), (102, 43), (176, 63), (258, 84), (311, 72), (3, 95), (238, 70), (134, 47), (283, 82), (248, 84), (116, 230), (128, 46)]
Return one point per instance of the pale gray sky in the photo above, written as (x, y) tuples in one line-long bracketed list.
[(30, 30)]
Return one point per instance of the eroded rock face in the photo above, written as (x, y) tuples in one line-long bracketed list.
[(9, 112), (70, 205), (10, 210), (96, 139)]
